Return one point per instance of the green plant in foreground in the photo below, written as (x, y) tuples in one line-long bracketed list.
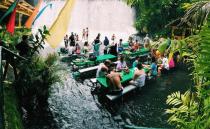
[(12, 40), (191, 110), (35, 79)]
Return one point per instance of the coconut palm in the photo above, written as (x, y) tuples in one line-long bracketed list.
[(196, 15)]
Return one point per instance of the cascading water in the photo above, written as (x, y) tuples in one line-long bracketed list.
[(71, 105), (103, 16), (75, 108)]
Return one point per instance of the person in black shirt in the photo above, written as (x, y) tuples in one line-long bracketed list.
[(72, 40), (106, 43), (113, 49), (66, 41), (23, 47)]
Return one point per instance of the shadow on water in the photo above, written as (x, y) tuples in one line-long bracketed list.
[(72, 106)]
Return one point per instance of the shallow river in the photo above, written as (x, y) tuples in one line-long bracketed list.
[(71, 105)]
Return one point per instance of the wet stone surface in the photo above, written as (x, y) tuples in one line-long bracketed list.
[(72, 106)]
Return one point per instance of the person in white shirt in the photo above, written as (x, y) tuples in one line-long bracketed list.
[(121, 64), (139, 76), (103, 69), (147, 42), (165, 64), (164, 67)]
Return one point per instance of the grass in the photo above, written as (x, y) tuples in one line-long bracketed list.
[(12, 115)]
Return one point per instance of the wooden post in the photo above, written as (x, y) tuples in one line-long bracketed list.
[(172, 32), (2, 126), (19, 20)]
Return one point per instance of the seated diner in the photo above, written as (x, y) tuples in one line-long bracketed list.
[(139, 76), (103, 69), (137, 60), (121, 64), (114, 80), (153, 67)]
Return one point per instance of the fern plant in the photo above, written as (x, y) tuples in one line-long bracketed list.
[(191, 110)]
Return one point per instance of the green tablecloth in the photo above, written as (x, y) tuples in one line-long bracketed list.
[(105, 57), (125, 45), (82, 62), (125, 77), (126, 52), (136, 53), (144, 50)]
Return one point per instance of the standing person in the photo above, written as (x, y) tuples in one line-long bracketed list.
[(66, 41), (106, 43), (77, 49), (136, 45), (139, 76), (146, 39), (83, 34), (113, 49), (86, 48), (130, 41), (71, 44), (72, 40), (113, 37), (96, 45), (120, 46), (164, 67), (153, 67), (147, 42), (23, 47), (87, 33), (77, 37)]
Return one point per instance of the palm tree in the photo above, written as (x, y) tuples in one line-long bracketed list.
[(196, 15)]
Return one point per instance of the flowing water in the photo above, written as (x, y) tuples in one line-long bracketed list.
[(72, 106)]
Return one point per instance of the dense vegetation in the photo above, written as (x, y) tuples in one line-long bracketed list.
[(30, 91), (153, 15), (190, 110), (11, 40), (34, 81)]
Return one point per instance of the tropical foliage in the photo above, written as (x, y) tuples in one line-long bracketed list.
[(36, 74), (153, 15), (196, 15), (192, 109), (12, 40), (35, 41), (35, 79)]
